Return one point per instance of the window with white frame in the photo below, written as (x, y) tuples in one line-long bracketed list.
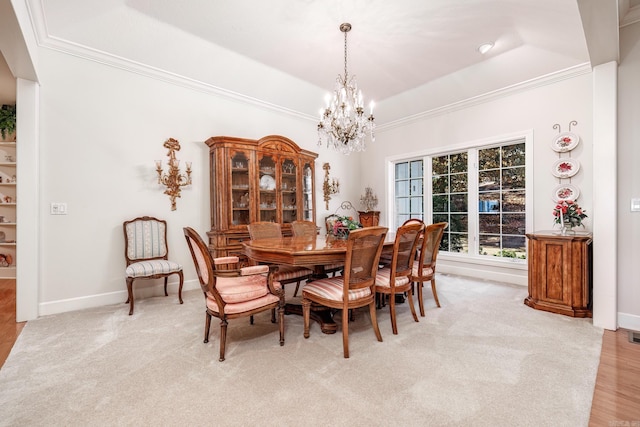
[(480, 191)]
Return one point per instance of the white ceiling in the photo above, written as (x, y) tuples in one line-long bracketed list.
[(394, 46)]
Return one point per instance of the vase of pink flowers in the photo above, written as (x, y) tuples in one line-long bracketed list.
[(569, 215)]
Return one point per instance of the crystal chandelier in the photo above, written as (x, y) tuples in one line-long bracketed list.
[(343, 124)]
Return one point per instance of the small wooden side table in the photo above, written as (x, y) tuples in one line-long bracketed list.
[(560, 272), (369, 218)]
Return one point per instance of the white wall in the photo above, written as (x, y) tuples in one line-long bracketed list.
[(101, 129), (628, 177)]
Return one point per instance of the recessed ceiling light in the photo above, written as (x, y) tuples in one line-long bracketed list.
[(485, 47)]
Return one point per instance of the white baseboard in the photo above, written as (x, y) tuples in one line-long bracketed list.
[(118, 297), (516, 277), (629, 321)]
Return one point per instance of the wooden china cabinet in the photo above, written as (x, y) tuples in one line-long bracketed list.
[(270, 179), (560, 273)]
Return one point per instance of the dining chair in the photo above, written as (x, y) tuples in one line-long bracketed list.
[(394, 279), (309, 229), (286, 273), (424, 268), (231, 292), (147, 255), (355, 288)]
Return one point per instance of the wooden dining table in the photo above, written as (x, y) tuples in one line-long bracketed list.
[(309, 252)]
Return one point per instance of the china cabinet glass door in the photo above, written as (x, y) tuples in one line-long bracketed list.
[(240, 198), (288, 188), (307, 192), (267, 176)]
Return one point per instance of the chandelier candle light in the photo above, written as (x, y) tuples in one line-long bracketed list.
[(343, 124), (173, 180)]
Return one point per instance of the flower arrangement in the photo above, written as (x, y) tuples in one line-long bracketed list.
[(342, 225), (568, 213)]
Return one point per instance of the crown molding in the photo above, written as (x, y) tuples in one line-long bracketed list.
[(631, 17), (545, 80)]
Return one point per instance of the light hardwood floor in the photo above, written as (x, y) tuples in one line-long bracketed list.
[(616, 398)]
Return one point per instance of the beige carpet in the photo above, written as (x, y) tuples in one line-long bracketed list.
[(483, 359)]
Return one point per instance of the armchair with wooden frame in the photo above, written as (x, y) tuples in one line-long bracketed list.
[(355, 288), (147, 254), (231, 292), (394, 279), (424, 268)]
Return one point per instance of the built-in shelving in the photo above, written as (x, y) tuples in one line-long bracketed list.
[(8, 203)]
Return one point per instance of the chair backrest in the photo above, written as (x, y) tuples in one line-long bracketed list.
[(431, 244), (201, 258), (264, 230), (404, 248), (304, 228), (364, 247), (145, 238), (413, 221)]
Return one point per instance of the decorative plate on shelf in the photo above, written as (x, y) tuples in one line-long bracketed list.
[(267, 183), (565, 168), (564, 142), (565, 192)]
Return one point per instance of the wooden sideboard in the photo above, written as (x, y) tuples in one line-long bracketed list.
[(270, 179), (560, 273)]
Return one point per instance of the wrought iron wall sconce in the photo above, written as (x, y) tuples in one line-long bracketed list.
[(173, 179), (329, 187)]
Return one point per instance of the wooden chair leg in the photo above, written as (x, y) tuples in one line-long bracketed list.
[(181, 276), (306, 314), (207, 327), (223, 338), (374, 321), (281, 322), (392, 311), (345, 335), (420, 298), (411, 306), (166, 278), (433, 289), (130, 294), (295, 293)]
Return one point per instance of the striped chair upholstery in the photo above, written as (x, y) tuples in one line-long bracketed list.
[(146, 254)]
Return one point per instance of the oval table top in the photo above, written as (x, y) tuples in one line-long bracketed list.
[(301, 250)]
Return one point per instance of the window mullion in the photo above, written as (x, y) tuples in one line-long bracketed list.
[(473, 197)]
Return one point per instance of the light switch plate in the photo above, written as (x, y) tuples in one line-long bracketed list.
[(58, 208), (635, 205)]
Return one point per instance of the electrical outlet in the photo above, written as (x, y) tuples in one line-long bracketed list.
[(58, 208), (635, 205)]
